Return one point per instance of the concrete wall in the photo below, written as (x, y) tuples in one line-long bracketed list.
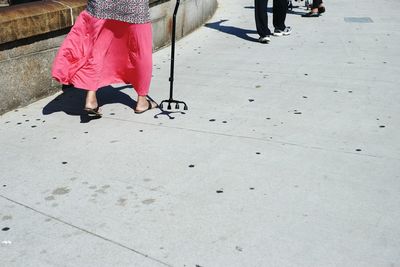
[(25, 64)]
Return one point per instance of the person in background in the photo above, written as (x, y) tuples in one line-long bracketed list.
[(111, 42), (317, 8), (279, 11)]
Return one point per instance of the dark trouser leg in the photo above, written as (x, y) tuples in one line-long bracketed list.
[(261, 16), (280, 8), (316, 3)]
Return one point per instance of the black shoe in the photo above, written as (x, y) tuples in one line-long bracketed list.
[(264, 40), (310, 15)]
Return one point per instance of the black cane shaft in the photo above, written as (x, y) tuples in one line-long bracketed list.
[(171, 78)]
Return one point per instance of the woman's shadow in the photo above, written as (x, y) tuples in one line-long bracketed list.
[(72, 101)]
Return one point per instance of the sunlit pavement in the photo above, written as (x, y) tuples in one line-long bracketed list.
[(288, 155)]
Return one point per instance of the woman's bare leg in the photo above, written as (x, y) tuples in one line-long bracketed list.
[(91, 100)]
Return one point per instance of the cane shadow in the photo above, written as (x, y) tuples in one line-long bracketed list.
[(72, 101), (168, 114), (269, 9), (238, 32), (290, 11), (294, 12)]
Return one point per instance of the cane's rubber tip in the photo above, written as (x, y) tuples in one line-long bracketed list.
[(169, 107), (177, 106)]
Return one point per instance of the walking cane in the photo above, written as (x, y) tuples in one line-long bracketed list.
[(171, 77)]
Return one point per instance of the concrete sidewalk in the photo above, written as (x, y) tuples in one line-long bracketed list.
[(288, 155)]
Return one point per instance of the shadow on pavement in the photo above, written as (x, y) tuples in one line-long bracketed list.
[(241, 33), (290, 11), (72, 101)]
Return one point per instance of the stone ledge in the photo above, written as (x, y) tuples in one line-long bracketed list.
[(37, 18)]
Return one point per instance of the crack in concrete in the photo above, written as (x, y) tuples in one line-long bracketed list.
[(258, 139), (86, 231)]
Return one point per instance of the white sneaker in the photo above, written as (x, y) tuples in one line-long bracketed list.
[(287, 31), (264, 40), (277, 32)]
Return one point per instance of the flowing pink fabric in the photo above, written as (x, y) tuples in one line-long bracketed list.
[(99, 52)]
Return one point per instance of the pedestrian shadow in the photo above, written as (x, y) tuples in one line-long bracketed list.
[(238, 32), (72, 101)]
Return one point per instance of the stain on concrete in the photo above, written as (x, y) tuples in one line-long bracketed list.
[(50, 198), (92, 187), (102, 190), (122, 202), (148, 201), (61, 191), (6, 218)]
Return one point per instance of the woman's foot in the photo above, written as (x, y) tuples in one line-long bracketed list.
[(91, 105), (143, 105)]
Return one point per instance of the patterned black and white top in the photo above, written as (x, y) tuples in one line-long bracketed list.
[(132, 11)]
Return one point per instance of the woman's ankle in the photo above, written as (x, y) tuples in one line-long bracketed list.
[(91, 100)]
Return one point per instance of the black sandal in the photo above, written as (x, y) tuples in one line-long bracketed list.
[(93, 112), (321, 9), (148, 108)]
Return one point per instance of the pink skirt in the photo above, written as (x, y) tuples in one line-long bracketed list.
[(99, 52)]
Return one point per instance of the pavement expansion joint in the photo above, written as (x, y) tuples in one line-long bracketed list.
[(86, 231), (261, 139)]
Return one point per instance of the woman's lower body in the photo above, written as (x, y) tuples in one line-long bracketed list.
[(99, 52)]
